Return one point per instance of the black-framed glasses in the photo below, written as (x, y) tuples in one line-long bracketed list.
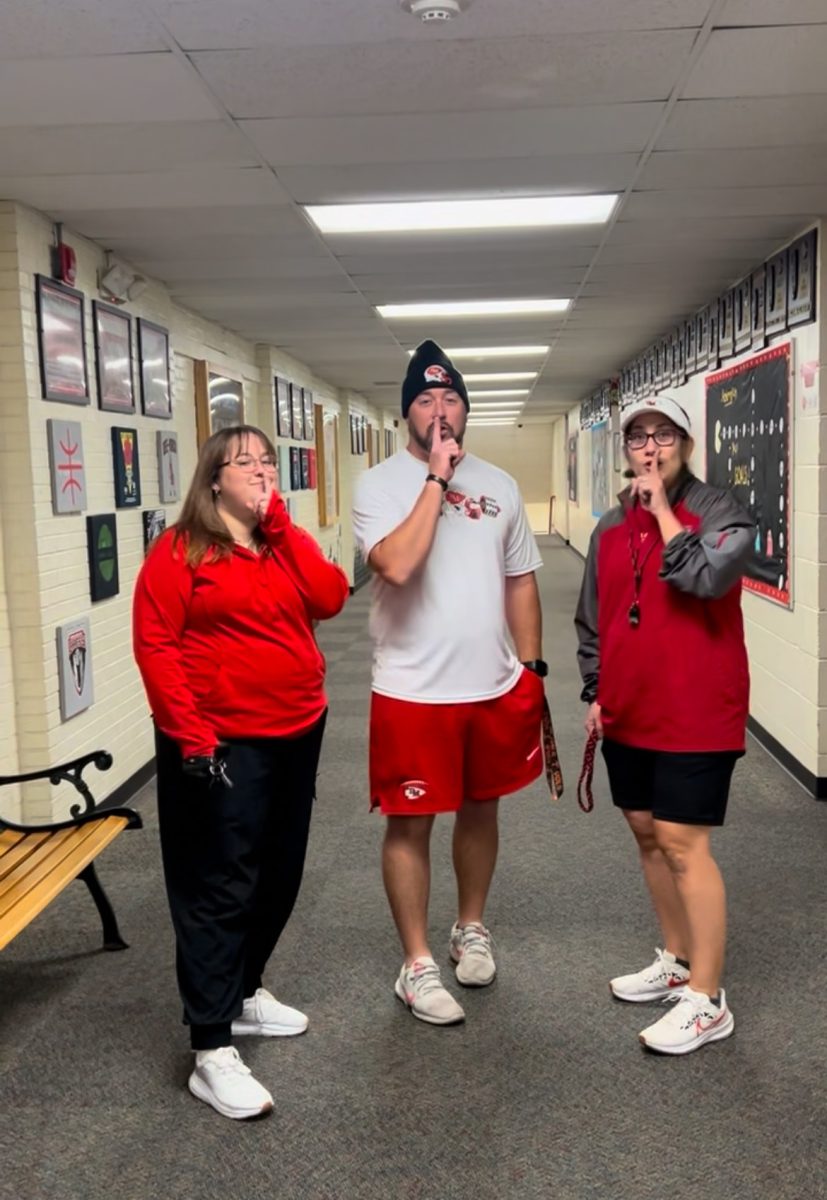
[(246, 462), (638, 440)]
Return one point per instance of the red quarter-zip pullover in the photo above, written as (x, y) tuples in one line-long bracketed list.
[(226, 649), (678, 679)]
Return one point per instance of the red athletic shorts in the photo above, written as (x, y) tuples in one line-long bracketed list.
[(429, 758)]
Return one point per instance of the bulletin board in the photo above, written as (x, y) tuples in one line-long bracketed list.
[(748, 432)]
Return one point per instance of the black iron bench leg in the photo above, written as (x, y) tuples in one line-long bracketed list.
[(112, 939)]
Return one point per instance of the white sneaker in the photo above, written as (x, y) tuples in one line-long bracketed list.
[(263, 1016), (666, 977), (221, 1079), (419, 986), (693, 1021), (470, 947)]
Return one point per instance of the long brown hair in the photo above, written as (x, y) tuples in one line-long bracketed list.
[(200, 527)]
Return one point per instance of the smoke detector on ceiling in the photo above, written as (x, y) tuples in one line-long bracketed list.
[(435, 10)]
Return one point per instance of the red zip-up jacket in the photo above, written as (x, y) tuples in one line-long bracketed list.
[(679, 681), (226, 649)]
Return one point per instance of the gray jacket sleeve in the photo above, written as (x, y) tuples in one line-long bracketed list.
[(585, 622), (708, 563)]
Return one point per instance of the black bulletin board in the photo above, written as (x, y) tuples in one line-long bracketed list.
[(748, 430)]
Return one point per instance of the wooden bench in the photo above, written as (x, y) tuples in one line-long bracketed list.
[(38, 861)]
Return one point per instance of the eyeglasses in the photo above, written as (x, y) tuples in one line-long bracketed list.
[(638, 440), (246, 462)]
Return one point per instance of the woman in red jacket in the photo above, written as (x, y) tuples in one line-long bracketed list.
[(665, 675), (223, 634)]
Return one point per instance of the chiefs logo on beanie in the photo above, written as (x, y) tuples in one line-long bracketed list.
[(430, 367)]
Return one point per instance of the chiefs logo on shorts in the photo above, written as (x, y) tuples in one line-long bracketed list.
[(437, 374), (414, 789)]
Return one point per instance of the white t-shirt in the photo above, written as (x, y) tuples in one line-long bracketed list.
[(442, 638)]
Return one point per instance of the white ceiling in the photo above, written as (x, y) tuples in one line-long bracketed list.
[(185, 135)]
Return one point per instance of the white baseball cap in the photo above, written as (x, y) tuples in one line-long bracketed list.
[(664, 405)]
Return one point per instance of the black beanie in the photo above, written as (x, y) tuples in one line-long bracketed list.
[(430, 367)]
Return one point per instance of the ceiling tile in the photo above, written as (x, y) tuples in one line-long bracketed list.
[(726, 231), (510, 73), (101, 149), (757, 121), (110, 89), (221, 246), (58, 28), (771, 12), (334, 139), (171, 189), (792, 202), (458, 265), (735, 168), (782, 61), (105, 224), (260, 269)]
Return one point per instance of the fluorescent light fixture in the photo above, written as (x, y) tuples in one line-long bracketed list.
[(498, 405), (472, 308), (498, 392), (501, 377), (510, 212), (492, 421), (494, 352)]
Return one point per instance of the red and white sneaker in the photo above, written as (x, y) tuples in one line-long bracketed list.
[(665, 977), (470, 948), (693, 1021), (419, 986)]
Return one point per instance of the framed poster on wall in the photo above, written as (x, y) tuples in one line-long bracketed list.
[(127, 467), (284, 414), (153, 357), (297, 412), (601, 461), (61, 335), (758, 282), (748, 438), (801, 279), (113, 356), (308, 430), (775, 306)]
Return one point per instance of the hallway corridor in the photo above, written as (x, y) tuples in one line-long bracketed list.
[(544, 1092)]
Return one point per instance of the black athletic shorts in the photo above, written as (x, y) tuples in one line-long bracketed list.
[(690, 789)]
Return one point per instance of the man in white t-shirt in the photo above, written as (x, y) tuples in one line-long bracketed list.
[(455, 713)]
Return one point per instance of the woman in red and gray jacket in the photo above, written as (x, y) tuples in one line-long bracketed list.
[(665, 674), (223, 634)]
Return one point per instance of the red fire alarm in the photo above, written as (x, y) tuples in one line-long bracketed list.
[(64, 260)]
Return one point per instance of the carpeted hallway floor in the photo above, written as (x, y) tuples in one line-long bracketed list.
[(544, 1092)]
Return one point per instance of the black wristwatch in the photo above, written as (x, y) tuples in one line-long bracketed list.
[(537, 666)]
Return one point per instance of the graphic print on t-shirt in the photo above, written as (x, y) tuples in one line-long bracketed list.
[(469, 507)]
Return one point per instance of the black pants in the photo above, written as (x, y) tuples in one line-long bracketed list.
[(233, 862)]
